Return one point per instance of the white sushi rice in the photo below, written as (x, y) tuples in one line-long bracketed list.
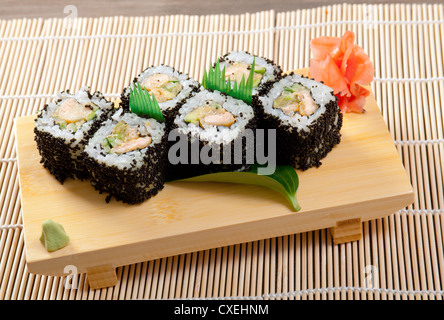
[(217, 134), (242, 56), (47, 123), (94, 148), (187, 84), (321, 94)]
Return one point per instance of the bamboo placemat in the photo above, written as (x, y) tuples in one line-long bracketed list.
[(398, 257)]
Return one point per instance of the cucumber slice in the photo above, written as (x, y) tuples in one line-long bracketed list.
[(91, 115), (171, 86), (260, 70)]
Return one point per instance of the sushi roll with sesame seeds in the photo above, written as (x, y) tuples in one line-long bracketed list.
[(217, 129), (238, 64), (126, 157), (63, 127), (169, 86), (307, 119)]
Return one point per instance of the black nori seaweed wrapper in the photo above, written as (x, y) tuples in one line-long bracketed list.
[(176, 171), (190, 169), (133, 185), (300, 149), (169, 114), (61, 158)]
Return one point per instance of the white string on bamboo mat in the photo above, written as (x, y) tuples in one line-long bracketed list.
[(324, 290), (422, 211), (46, 96), (406, 80), (210, 33), (117, 95), (418, 142), (11, 226)]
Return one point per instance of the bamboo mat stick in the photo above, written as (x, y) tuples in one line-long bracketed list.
[(210, 277), (236, 263), (356, 269), (397, 245), (297, 265), (228, 271), (192, 273), (420, 280), (438, 70), (291, 265), (174, 264), (426, 262), (408, 96), (229, 259), (197, 287), (310, 267), (168, 263), (304, 271), (254, 270), (285, 265), (204, 282), (242, 267), (216, 268)]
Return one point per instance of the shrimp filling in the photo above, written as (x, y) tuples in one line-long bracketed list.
[(71, 114), (237, 70), (162, 86), (211, 114), (296, 99), (125, 138)]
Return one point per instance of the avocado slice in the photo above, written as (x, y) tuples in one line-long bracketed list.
[(200, 112)]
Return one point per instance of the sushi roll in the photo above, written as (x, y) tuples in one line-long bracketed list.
[(238, 64), (217, 126), (169, 86), (126, 157), (307, 119), (63, 127)]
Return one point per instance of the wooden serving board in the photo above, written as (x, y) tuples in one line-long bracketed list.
[(361, 179)]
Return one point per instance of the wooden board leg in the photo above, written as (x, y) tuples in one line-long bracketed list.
[(347, 230), (101, 277)]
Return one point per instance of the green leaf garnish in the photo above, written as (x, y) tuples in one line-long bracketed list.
[(284, 180), (143, 104), (214, 79)]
